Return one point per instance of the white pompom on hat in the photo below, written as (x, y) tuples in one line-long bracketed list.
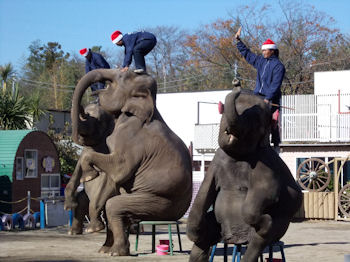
[(268, 44), (84, 51), (116, 36)]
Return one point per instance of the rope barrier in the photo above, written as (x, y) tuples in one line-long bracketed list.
[(13, 202), (24, 209)]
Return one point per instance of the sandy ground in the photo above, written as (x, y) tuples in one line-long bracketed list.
[(310, 241)]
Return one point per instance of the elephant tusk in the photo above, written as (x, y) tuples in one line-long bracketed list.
[(231, 138)]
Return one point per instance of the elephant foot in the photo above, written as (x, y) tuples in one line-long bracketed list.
[(104, 250), (70, 203), (114, 251), (198, 254), (95, 226), (75, 231)]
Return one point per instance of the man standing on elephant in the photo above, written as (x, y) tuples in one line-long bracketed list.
[(270, 74), (136, 44), (94, 61)]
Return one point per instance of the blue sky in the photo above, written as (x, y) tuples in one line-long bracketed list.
[(83, 23)]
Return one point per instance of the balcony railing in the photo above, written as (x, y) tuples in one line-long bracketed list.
[(315, 118)]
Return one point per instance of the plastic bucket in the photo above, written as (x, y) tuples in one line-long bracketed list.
[(162, 250), (164, 242)]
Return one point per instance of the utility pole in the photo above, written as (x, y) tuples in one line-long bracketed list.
[(164, 76), (235, 69)]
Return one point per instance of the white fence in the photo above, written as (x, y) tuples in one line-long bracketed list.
[(315, 118), (206, 137)]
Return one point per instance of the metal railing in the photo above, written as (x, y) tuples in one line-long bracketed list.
[(315, 118)]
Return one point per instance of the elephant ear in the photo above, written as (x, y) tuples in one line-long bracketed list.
[(140, 104)]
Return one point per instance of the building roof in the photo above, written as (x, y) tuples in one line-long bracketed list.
[(9, 142)]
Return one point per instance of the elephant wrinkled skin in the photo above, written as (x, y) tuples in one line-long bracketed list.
[(146, 158), (253, 194)]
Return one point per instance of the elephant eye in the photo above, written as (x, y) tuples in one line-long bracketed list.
[(129, 114)]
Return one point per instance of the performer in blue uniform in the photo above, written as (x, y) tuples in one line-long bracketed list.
[(94, 61), (137, 45), (270, 74)]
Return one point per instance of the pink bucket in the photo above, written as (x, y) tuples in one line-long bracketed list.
[(162, 250), (164, 242)]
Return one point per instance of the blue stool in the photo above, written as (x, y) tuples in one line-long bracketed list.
[(280, 245), (237, 252)]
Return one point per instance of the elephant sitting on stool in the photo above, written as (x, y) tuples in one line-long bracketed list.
[(93, 128), (253, 194), (146, 158)]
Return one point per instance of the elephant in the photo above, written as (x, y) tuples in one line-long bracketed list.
[(248, 195), (94, 126), (147, 159)]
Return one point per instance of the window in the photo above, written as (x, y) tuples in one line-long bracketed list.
[(31, 163), (50, 185), (19, 168)]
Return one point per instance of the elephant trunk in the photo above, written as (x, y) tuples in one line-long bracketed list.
[(230, 108), (90, 78)]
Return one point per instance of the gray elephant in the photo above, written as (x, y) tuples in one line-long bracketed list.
[(94, 126), (253, 194), (146, 158)]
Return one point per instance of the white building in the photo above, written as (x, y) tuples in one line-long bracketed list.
[(318, 127)]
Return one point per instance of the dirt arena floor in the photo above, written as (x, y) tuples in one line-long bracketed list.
[(309, 241)]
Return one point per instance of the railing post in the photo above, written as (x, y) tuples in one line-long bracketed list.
[(70, 212), (42, 214), (28, 202)]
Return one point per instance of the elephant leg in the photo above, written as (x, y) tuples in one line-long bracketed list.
[(70, 201), (100, 190), (96, 224), (208, 235), (255, 247), (199, 254), (253, 207), (80, 211), (123, 208), (258, 242), (106, 247)]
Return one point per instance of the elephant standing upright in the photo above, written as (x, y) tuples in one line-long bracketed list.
[(253, 194), (146, 158)]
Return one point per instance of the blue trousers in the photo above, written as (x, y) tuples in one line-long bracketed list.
[(141, 49)]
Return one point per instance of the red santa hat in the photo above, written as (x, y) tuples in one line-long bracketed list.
[(268, 44), (84, 52), (67, 175), (116, 36)]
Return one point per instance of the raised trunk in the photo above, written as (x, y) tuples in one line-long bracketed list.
[(230, 107), (90, 78)]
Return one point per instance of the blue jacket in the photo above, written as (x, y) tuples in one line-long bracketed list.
[(270, 73), (97, 61), (130, 40)]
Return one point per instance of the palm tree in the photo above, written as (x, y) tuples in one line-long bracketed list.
[(35, 106), (6, 72), (14, 111)]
